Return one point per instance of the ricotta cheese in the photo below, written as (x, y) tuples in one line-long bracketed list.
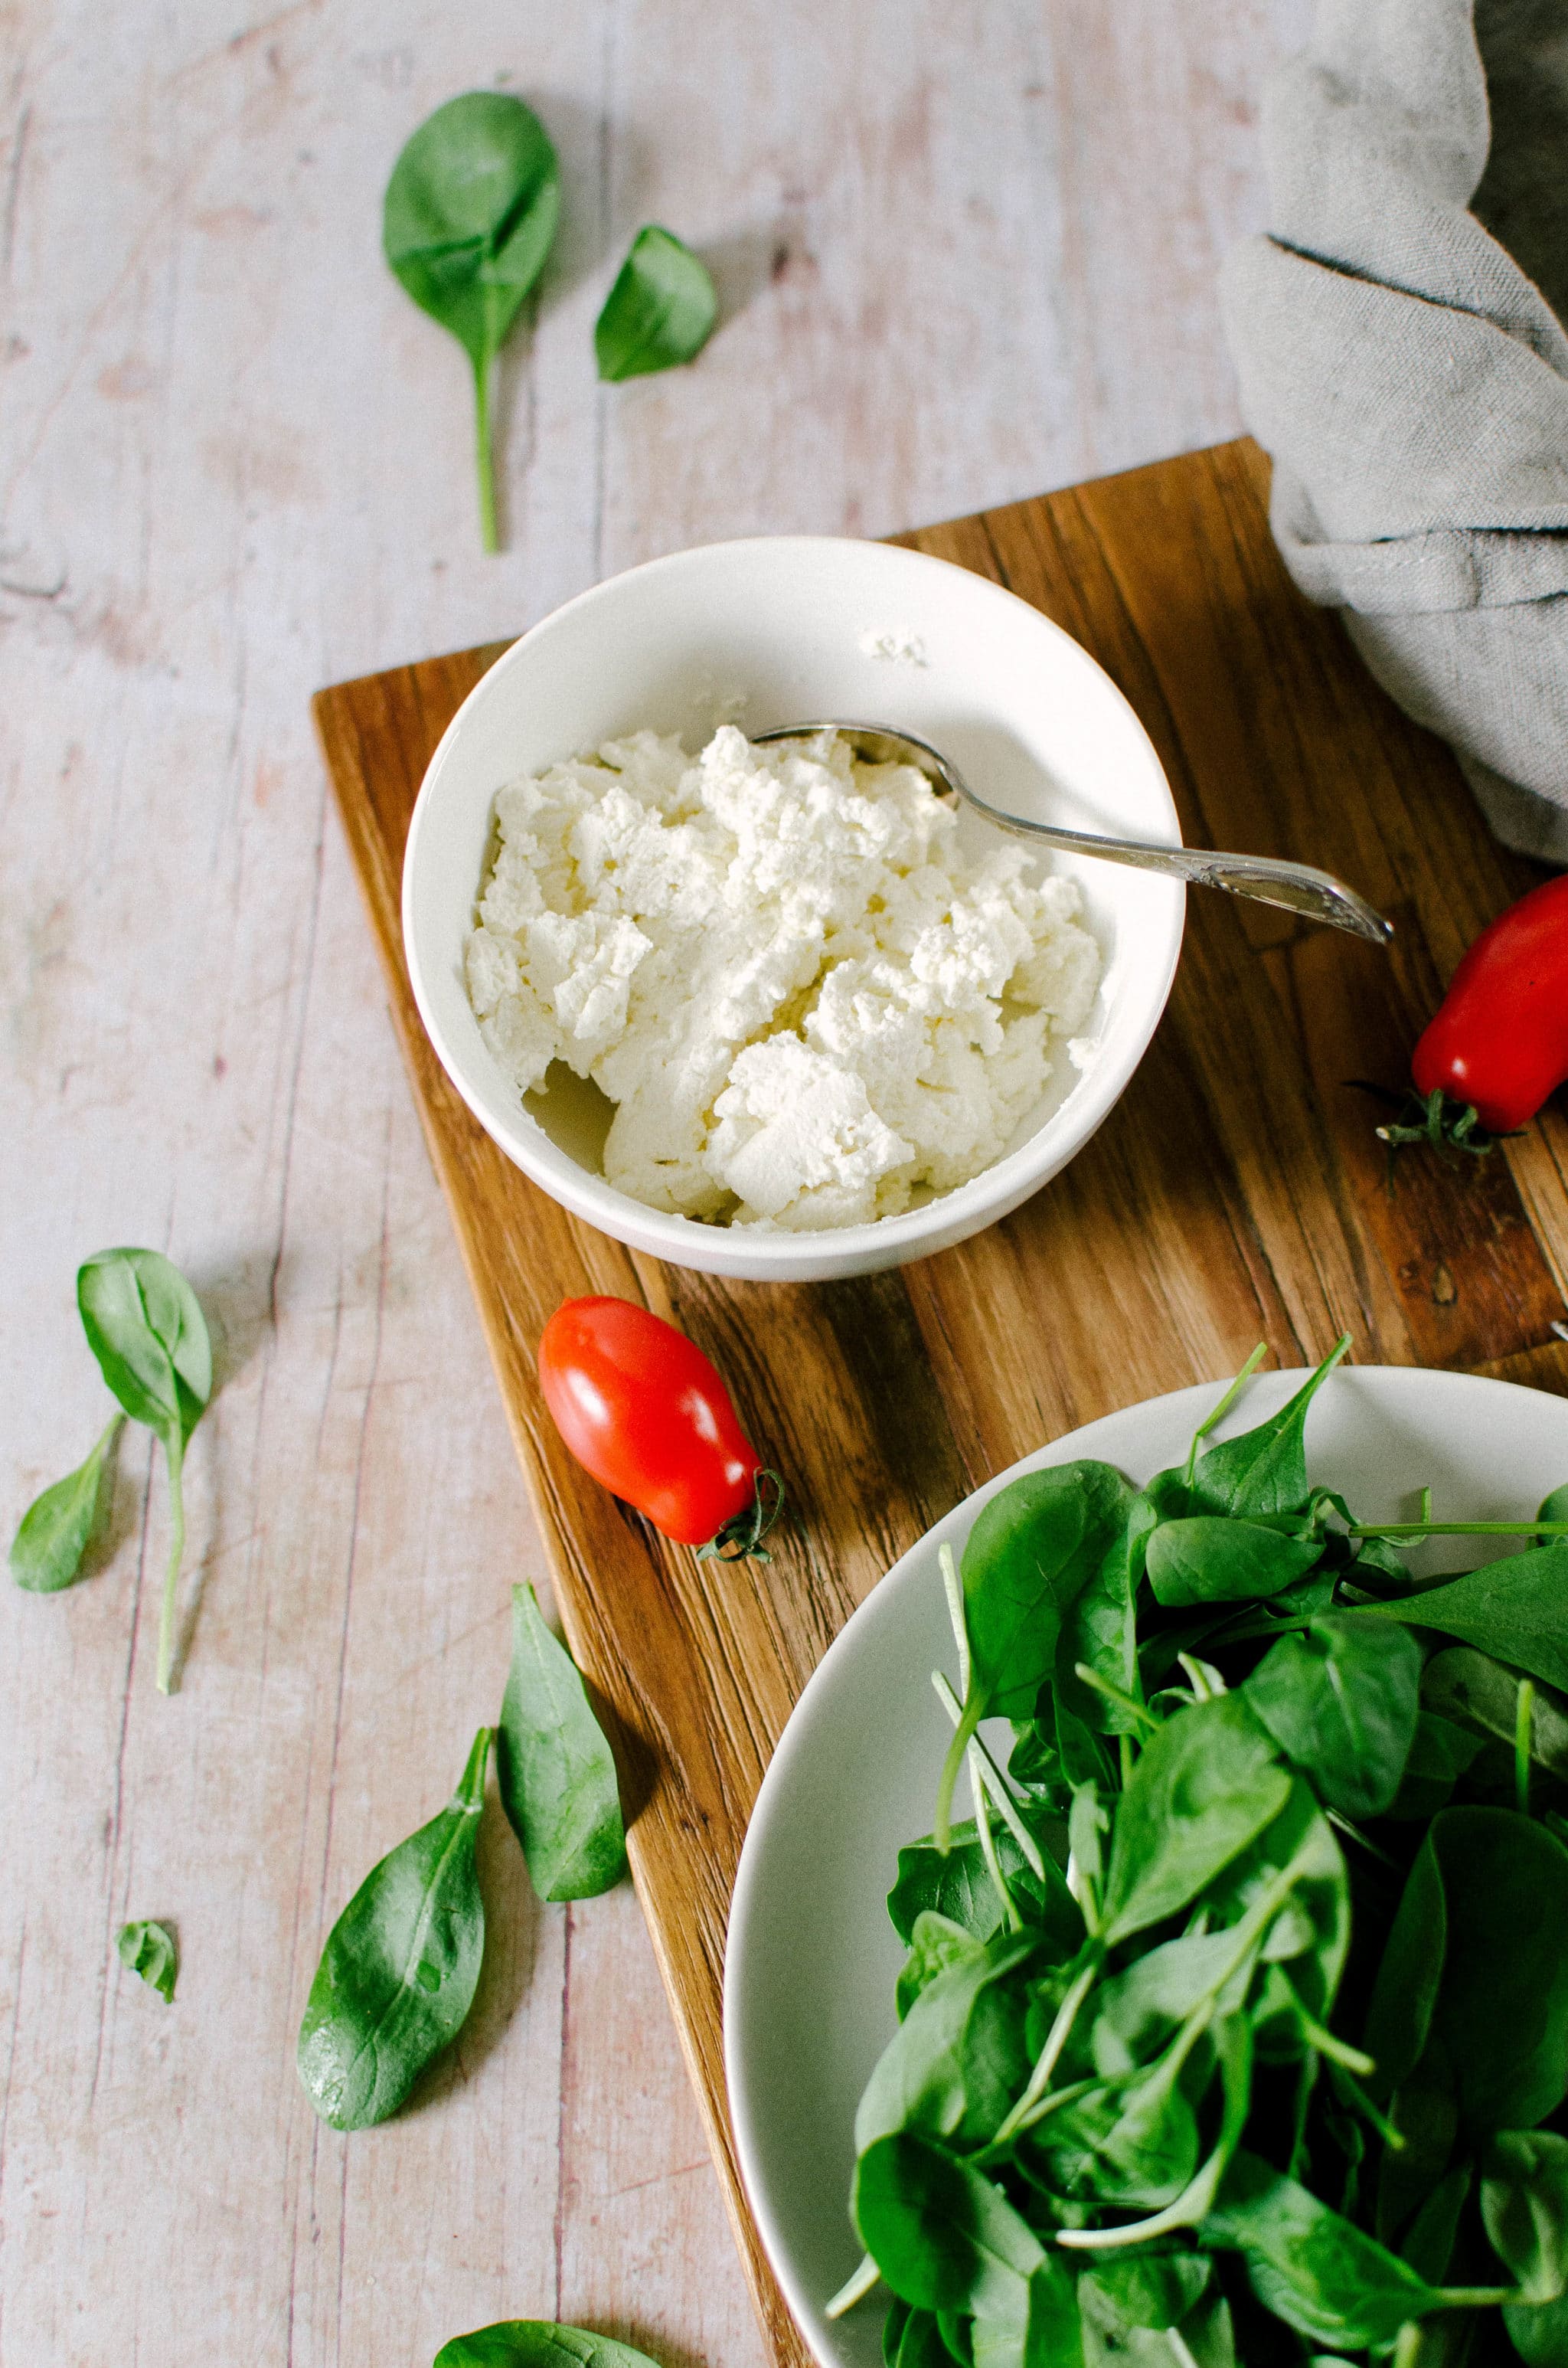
[(805, 1001)]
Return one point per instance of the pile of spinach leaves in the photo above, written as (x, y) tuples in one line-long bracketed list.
[(1234, 2022)]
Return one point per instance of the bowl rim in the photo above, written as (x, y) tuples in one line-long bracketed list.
[(1410, 1389), (784, 1254)]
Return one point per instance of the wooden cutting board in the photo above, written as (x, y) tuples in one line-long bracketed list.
[(1236, 1192)]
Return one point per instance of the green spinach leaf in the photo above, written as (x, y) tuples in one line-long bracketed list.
[(46, 1552), (1130, 2144), (1031, 1550), (1475, 1966), (1099, 1629), (401, 1965), (470, 214), (957, 1886), (145, 1328), (1209, 1559), (1524, 2203), (1125, 2292), (1050, 2335), (942, 2233), (1469, 1685), (955, 2062), (537, 2343), (1206, 1786), (149, 1949), (555, 1768), (1539, 2336), (1513, 1610), (1264, 1471), (1293, 1878), (935, 1945), (661, 310), (1440, 1751), (1341, 1701), (1318, 2273)]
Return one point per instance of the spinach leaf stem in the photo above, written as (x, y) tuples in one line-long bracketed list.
[(1145, 1717), (484, 453), (1223, 1408), (1524, 1719), (856, 2287), (995, 1782), (1056, 2040), (174, 1449)]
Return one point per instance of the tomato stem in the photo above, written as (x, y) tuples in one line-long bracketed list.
[(742, 1535)]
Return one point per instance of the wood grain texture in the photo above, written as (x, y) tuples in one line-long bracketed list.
[(1236, 1192), (965, 250)]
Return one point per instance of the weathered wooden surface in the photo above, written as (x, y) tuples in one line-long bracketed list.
[(967, 251), (1236, 1192)]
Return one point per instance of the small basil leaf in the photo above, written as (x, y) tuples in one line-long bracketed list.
[(1524, 2202), (469, 217), (401, 1965), (1205, 1786), (660, 312), (1341, 1701), (1209, 1559), (149, 1950), (145, 1328), (47, 1550), (1319, 2273), (538, 2343), (555, 1768), (943, 2235)]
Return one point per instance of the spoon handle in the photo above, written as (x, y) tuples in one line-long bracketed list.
[(1298, 887)]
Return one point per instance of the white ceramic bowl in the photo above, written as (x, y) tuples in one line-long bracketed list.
[(775, 631), (811, 1958)]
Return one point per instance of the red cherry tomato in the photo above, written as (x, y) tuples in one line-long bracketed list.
[(1499, 1042), (641, 1408)]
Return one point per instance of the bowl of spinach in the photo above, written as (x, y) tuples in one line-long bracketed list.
[(1151, 1943)]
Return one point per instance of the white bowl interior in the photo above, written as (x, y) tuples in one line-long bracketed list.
[(770, 631), (812, 1957)]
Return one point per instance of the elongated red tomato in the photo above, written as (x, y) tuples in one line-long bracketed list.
[(1499, 1042), (641, 1408)]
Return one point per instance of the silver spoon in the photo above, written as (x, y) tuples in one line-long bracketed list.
[(1298, 887)]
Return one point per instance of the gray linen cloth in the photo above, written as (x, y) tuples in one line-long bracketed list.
[(1400, 340)]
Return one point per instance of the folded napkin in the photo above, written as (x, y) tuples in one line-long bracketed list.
[(1400, 339)]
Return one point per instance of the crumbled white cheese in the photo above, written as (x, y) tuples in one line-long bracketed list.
[(802, 999)]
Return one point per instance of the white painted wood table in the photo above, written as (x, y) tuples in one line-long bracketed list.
[(966, 249)]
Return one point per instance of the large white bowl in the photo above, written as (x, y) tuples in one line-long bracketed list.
[(812, 1957), (775, 630)]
